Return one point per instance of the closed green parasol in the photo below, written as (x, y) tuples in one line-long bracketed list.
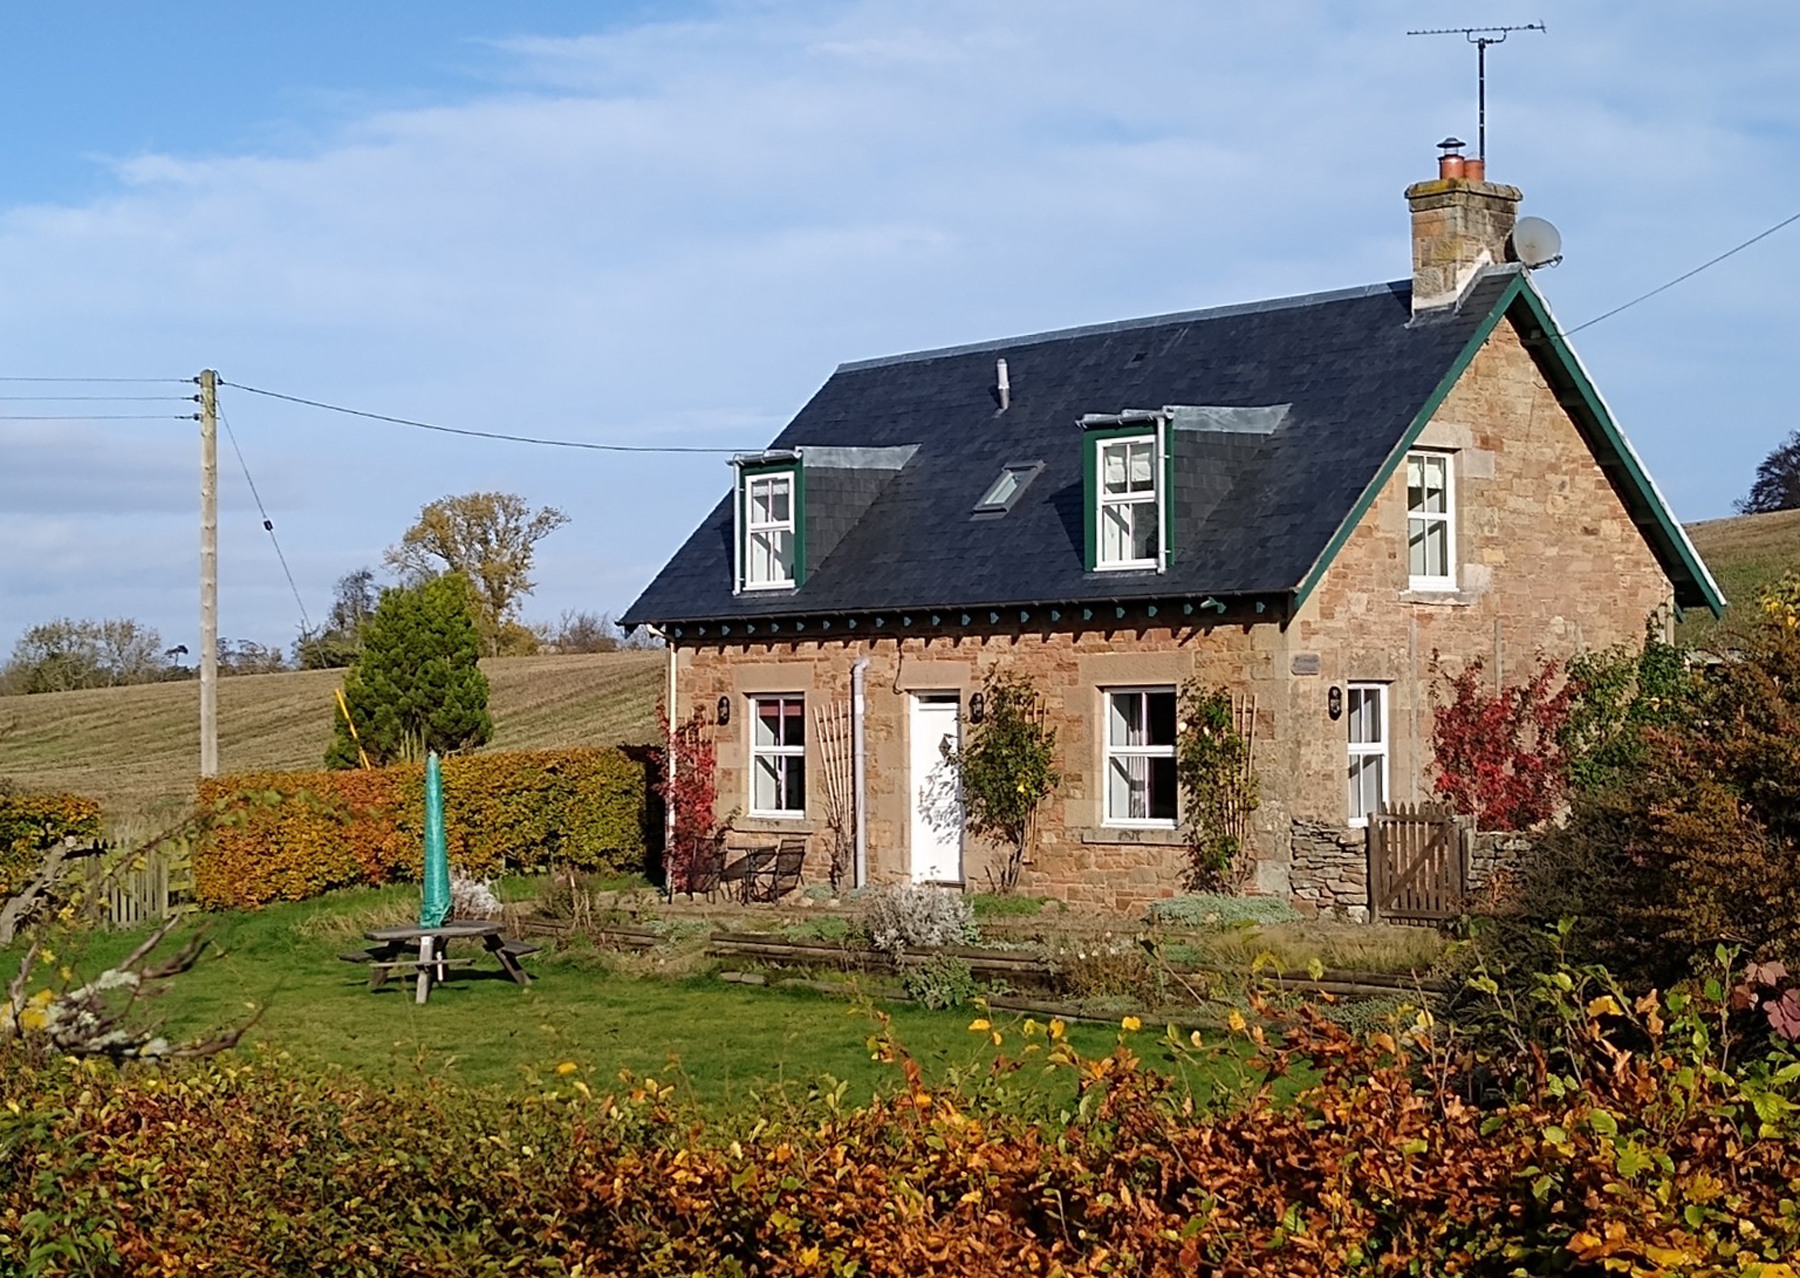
[(434, 907)]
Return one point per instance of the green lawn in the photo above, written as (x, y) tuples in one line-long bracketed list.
[(481, 1029)]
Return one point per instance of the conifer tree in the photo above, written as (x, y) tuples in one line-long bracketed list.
[(416, 686)]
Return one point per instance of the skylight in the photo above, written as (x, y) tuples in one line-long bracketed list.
[(1005, 490)]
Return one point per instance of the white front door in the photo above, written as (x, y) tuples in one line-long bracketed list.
[(937, 816)]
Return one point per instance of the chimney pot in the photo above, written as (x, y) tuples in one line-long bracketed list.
[(1460, 223)]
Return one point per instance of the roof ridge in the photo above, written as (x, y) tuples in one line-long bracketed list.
[(1398, 287)]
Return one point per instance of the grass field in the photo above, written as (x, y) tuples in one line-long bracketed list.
[(136, 749), (479, 1028), (1745, 554)]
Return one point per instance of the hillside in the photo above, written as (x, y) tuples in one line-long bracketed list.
[(1745, 554), (135, 748)]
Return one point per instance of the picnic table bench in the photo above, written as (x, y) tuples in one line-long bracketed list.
[(423, 950)]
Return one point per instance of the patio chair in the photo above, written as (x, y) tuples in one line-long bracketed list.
[(706, 867), (739, 878), (781, 872)]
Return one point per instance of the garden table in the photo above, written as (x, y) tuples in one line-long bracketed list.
[(431, 943)]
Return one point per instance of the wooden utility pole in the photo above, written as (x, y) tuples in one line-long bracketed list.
[(209, 573)]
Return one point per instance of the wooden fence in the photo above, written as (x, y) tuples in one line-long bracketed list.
[(124, 888), (1418, 864)]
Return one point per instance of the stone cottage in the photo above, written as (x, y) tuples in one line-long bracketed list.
[(1301, 500)]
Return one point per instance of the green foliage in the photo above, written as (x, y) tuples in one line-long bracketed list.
[(416, 686), (995, 905), (340, 641), (906, 916), (489, 539), (1698, 838), (292, 835), (940, 983), (63, 655), (1777, 483), (1007, 770), (30, 824), (1624, 695), (1218, 787), (1646, 1144), (1219, 912)]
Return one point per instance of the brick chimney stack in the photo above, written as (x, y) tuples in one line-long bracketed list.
[(1460, 223)]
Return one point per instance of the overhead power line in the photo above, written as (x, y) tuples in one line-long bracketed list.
[(99, 399), (98, 417), (1663, 288), (142, 381), (478, 434), (267, 523)]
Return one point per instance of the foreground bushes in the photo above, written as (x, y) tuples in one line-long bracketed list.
[(32, 823), (1690, 832), (1598, 1159), (290, 835)]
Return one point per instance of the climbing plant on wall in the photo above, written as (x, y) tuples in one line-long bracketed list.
[(1007, 770), (1213, 764)]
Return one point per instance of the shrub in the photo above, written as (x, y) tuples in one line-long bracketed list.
[(1220, 913), (32, 823), (416, 685), (1218, 785), (291, 835), (1699, 841), (1007, 770), (940, 983), (995, 905), (1314, 1152), (1623, 696), (911, 915), (1501, 756), (690, 795)]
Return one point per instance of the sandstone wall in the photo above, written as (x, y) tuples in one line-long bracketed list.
[(1549, 563)]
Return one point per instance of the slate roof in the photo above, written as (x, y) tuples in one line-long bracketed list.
[(1255, 513)]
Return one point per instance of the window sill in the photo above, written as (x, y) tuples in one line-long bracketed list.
[(1442, 596), (763, 588), (1154, 835), (772, 822), (1136, 565)]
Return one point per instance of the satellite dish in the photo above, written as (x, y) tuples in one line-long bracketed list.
[(1536, 243)]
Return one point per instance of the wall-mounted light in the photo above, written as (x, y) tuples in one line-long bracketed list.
[(1334, 703), (977, 707), (724, 711)]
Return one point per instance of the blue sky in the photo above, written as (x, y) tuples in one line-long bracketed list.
[(667, 223)]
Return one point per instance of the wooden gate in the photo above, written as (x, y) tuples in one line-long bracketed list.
[(1418, 864), (128, 888)]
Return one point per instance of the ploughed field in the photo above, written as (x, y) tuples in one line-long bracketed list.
[(136, 749)]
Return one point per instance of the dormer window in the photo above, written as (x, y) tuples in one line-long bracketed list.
[(1128, 491), (769, 541)]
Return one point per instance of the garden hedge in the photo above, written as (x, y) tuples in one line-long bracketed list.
[(273, 836), (1662, 1164), (32, 823)]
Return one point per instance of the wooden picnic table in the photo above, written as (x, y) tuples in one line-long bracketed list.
[(424, 950)]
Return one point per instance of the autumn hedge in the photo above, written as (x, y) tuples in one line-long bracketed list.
[(32, 823), (273, 836), (1665, 1161)]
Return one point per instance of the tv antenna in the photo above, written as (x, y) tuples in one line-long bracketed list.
[(1481, 38)]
